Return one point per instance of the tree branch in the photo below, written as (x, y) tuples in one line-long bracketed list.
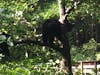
[(71, 8), (55, 47), (27, 42)]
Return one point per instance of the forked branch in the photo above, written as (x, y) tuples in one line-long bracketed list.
[(71, 8)]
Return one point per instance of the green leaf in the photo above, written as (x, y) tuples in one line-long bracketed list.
[(2, 38)]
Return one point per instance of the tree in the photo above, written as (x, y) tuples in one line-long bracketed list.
[(66, 47), (65, 51)]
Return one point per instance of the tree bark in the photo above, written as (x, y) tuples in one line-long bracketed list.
[(61, 11), (66, 61)]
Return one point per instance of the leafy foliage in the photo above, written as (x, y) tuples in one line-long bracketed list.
[(30, 67), (85, 52), (22, 19)]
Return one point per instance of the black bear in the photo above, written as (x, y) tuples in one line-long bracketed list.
[(53, 28)]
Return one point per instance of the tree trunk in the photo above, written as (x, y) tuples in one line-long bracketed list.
[(66, 56), (61, 11), (66, 61)]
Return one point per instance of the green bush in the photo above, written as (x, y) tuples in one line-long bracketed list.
[(27, 67)]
